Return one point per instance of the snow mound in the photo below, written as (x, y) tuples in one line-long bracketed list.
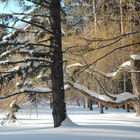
[(68, 123), (9, 123)]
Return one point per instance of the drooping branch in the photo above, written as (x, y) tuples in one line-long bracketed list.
[(109, 76), (105, 100), (97, 80)]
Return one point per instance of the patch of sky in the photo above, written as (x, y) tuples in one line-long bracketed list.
[(16, 6), (13, 6)]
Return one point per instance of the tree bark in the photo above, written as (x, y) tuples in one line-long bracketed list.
[(90, 104), (136, 82), (59, 107)]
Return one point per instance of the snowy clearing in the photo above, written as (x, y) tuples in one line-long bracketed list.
[(115, 124)]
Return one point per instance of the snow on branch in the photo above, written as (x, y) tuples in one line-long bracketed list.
[(10, 35), (27, 43), (24, 14), (75, 65), (31, 59), (103, 99), (23, 45), (111, 75), (44, 3), (135, 57), (28, 91), (34, 53), (34, 90), (22, 67)]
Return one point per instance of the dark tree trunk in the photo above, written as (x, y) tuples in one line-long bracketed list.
[(101, 108), (59, 107), (90, 104)]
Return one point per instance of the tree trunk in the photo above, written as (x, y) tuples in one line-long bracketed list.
[(101, 108), (59, 107), (136, 82), (90, 104)]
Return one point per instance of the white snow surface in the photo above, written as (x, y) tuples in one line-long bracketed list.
[(81, 124)]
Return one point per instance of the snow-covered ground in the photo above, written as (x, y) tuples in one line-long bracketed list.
[(87, 125)]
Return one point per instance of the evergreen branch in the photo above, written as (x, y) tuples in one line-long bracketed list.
[(32, 59), (26, 91), (43, 3), (36, 24)]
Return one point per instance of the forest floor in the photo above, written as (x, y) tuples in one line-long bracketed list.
[(114, 124)]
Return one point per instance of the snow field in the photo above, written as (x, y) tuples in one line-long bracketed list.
[(115, 124)]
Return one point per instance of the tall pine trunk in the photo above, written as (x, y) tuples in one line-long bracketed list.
[(59, 107)]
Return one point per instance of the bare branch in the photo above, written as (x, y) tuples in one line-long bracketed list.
[(110, 39), (105, 91), (68, 48), (124, 46)]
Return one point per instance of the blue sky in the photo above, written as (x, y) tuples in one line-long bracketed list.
[(13, 6), (10, 7)]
